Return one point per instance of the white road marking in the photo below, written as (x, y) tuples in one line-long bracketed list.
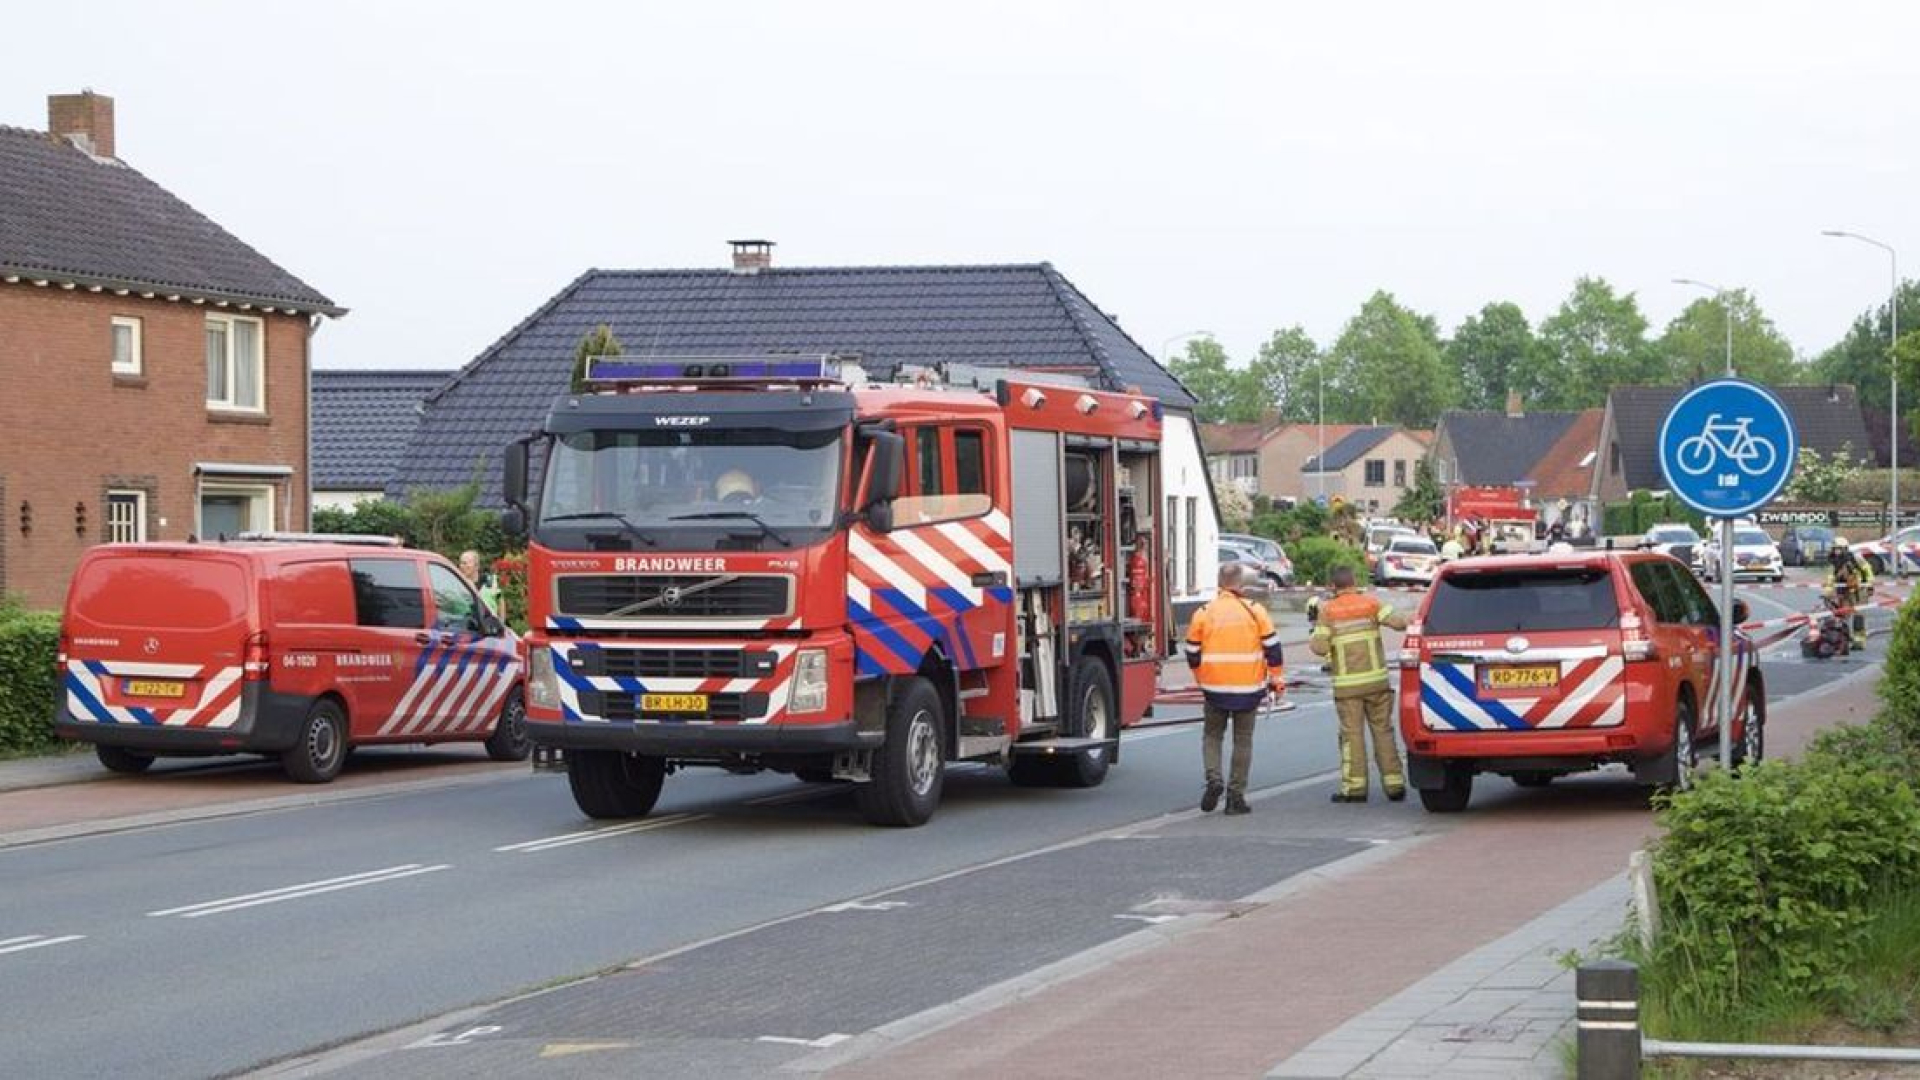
[(820, 1043), (861, 905), (298, 892), (444, 1038), (35, 941), (814, 791), (1154, 920), (548, 843)]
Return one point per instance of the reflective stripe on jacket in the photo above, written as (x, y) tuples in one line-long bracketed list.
[(1231, 647), (1348, 634)]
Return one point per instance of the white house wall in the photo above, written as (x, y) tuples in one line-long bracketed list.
[(1184, 474)]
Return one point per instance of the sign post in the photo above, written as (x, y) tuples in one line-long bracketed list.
[(1727, 448)]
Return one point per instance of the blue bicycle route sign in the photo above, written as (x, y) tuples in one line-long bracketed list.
[(1728, 447)]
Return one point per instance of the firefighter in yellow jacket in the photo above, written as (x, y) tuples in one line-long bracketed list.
[(1348, 633), (1234, 652)]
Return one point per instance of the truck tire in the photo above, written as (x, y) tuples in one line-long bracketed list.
[(316, 756), (909, 769), (1451, 797), (509, 739), (610, 784), (121, 760), (1092, 714)]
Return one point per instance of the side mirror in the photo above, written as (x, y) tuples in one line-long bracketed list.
[(880, 517), (513, 522), (886, 463), (1740, 611), (514, 483)]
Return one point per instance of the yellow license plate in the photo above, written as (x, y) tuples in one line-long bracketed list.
[(155, 688), (1533, 677), (673, 703)]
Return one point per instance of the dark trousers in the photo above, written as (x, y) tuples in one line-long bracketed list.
[(1213, 734)]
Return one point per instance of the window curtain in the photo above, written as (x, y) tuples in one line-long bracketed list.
[(246, 365), (216, 362)]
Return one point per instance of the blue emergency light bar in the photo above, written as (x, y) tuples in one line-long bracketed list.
[(619, 369)]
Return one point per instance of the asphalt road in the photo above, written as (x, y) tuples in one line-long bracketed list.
[(214, 946)]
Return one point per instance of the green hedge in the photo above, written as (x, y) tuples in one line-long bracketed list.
[(1642, 511), (28, 644), (1314, 558)]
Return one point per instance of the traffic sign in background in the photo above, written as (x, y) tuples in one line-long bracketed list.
[(1728, 447)]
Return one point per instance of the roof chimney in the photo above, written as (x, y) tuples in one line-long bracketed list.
[(84, 119), (752, 256), (1514, 411)]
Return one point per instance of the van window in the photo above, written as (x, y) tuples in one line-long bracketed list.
[(314, 594), (149, 592), (1520, 601), (386, 592), (454, 605)]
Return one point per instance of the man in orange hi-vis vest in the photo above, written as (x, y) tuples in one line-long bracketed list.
[(1348, 633), (1234, 652)]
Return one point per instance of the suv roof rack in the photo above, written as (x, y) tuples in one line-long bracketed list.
[(362, 539)]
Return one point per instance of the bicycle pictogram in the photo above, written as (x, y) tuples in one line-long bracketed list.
[(1751, 454)]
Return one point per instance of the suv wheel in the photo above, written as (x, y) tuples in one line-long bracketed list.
[(1453, 793), (1683, 757), (1752, 747)]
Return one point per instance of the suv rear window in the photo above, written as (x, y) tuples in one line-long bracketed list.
[(1522, 600)]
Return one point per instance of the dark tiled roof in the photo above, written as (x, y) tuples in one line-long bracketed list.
[(1826, 418), (1348, 449), (1025, 316), (362, 423), (70, 217), (1492, 448), (1232, 438), (1566, 470)]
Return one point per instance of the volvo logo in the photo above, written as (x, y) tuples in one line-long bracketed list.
[(670, 596), (152, 646), (1517, 644)]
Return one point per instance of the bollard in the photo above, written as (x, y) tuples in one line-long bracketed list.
[(1608, 1020)]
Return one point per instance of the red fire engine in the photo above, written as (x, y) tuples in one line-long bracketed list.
[(772, 563)]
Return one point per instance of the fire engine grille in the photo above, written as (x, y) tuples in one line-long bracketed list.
[(675, 596), (613, 705), (673, 663)]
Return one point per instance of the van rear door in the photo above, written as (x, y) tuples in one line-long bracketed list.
[(158, 637), (1522, 649)]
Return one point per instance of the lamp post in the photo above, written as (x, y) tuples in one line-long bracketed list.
[(1726, 309), (1166, 347), (1723, 723), (1893, 366)]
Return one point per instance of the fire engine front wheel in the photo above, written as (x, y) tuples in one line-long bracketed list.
[(317, 755), (610, 784), (909, 769)]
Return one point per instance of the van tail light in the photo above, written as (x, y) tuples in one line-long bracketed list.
[(60, 656), (256, 663), (1635, 644)]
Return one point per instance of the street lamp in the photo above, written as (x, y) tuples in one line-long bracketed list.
[(1726, 308), (1166, 347), (1893, 366)]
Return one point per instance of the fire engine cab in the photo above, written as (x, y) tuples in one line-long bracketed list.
[(774, 563)]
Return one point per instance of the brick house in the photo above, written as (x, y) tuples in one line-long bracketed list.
[(155, 366)]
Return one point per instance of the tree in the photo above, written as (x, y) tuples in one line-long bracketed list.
[(1386, 367), (1694, 345), (1596, 341), (1492, 351), (1287, 369), (1423, 501), (598, 341), (1236, 507), (1860, 358), (1821, 480), (1205, 373)]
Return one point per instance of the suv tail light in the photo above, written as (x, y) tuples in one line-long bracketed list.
[(1410, 647), (256, 662), (1635, 644)]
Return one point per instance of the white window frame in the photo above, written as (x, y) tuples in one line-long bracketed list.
[(228, 404), (262, 494), (132, 326), (139, 515)]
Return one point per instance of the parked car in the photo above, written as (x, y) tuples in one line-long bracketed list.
[(1535, 668), (1805, 545), (1755, 555), (1378, 536), (1268, 553), (1879, 553), (296, 647), (1671, 539), (1256, 581), (1407, 560)]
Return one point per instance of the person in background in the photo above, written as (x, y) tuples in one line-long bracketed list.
[(1849, 580), (485, 585), (1234, 652), (1348, 633)]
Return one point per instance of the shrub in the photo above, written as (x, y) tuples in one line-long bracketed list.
[(1900, 677), (1314, 558), (28, 644)]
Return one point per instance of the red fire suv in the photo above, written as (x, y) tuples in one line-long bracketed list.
[(1535, 666), (296, 647)]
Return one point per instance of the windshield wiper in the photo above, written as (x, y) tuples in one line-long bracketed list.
[(610, 515), (747, 514)]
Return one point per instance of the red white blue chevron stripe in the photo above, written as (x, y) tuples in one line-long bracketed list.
[(217, 707), (912, 588), (456, 689), (1590, 694), (573, 684)]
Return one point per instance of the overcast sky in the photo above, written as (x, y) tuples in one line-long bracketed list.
[(1230, 167)]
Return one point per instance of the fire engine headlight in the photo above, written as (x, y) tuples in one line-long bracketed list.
[(809, 692), (543, 686)]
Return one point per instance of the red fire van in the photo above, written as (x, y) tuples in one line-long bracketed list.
[(300, 647)]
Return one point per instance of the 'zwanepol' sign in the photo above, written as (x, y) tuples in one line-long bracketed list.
[(1850, 516)]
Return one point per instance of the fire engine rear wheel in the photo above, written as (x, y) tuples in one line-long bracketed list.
[(316, 756), (1094, 717), (121, 760), (610, 784), (909, 769), (509, 739)]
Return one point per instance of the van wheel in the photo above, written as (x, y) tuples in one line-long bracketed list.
[(321, 749), (509, 739), (909, 769), (1683, 757), (121, 760), (1453, 793), (610, 784)]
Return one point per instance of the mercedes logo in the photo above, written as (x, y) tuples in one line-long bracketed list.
[(152, 646), (1517, 644), (670, 596)]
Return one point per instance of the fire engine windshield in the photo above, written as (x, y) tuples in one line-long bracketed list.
[(733, 488)]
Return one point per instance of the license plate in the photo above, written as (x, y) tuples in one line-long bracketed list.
[(154, 688), (1530, 677), (673, 703)]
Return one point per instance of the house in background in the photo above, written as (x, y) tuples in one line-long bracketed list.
[(1233, 454), (1028, 317), (362, 424), (1371, 468), (155, 366), (1288, 447), (1561, 482), (1828, 419), (1484, 448)]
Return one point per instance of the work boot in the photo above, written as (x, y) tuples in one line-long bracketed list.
[(1210, 798), (1398, 794), (1237, 804), (1343, 797)]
